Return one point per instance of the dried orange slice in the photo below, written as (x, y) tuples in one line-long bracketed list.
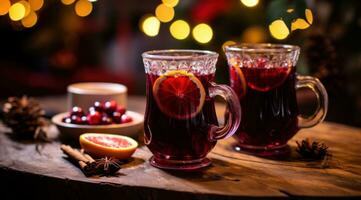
[(179, 94), (101, 145)]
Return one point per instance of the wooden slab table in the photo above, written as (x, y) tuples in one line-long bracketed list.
[(41, 172)]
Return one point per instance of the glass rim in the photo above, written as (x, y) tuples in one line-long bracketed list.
[(166, 54), (261, 47)]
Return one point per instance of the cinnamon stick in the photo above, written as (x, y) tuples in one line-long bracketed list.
[(75, 154), (89, 158)]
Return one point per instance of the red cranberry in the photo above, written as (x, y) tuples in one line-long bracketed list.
[(98, 106), (75, 119), (92, 109), (77, 111), (110, 106), (67, 120), (106, 120), (94, 118), (84, 120), (126, 119), (121, 109), (116, 117)]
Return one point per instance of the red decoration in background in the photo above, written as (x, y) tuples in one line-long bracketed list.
[(206, 10)]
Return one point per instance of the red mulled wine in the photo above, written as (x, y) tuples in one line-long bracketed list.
[(264, 78), (174, 127), (180, 124), (269, 106)]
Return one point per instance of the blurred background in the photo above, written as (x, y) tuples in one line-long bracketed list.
[(47, 44)]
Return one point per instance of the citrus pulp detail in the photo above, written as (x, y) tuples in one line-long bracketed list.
[(110, 145), (179, 94)]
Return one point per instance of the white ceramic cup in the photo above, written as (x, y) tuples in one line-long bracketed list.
[(85, 94)]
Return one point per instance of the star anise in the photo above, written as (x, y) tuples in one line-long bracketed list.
[(104, 166)]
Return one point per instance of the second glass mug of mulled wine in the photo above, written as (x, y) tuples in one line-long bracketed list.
[(265, 80), (180, 124)]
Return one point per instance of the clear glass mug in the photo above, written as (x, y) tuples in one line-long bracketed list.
[(265, 80), (181, 125)]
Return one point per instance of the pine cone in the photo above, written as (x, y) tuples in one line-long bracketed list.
[(25, 117)]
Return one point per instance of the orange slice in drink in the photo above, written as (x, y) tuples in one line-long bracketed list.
[(242, 81), (101, 145), (179, 94), (264, 80)]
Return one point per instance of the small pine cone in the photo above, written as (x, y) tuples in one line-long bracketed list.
[(24, 117)]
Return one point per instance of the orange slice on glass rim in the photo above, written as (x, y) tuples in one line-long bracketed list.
[(179, 94), (110, 145)]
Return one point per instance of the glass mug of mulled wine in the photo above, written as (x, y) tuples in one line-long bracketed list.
[(180, 124), (265, 80)]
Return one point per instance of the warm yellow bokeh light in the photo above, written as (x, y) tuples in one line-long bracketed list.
[(290, 10), (227, 43), (150, 26), (170, 3), (4, 6), (278, 29), (250, 3), (36, 4), (83, 8), (309, 16), (164, 13), (299, 24), (30, 20), (17, 12), (202, 33), (26, 6), (254, 34), (179, 29), (67, 2)]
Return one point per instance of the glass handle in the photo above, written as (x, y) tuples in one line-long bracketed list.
[(322, 101), (232, 117)]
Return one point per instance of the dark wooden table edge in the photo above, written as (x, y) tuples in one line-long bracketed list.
[(17, 184)]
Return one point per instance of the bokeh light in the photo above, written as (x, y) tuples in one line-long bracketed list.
[(278, 29), (36, 4), (30, 20), (170, 3), (202, 33), (309, 16), (17, 11), (254, 34), (179, 29), (299, 24), (164, 13), (4, 6), (290, 10), (150, 26), (67, 2), (250, 3), (83, 8), (26, 6)]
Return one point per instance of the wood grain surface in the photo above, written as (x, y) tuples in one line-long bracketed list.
[(40, 171)]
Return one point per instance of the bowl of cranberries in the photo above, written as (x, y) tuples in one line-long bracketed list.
[(102, 117)]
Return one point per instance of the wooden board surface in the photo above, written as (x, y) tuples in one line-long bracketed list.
[(232, 175)]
